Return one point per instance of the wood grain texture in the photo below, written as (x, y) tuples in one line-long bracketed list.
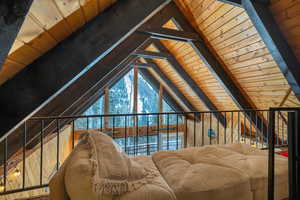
[(47, 23), (235, 40)]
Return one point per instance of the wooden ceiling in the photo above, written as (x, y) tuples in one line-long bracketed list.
[(236, 42), (47, 23), (226, 29)]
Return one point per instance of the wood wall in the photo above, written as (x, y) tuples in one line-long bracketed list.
[(287, 16), (287, 13), (47, 23)]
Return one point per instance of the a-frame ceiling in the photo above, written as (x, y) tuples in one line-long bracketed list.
[(47, 23), (236, 72)]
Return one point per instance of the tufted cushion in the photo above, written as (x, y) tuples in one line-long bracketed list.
[(257, 170), (225, 170), (200, 173)]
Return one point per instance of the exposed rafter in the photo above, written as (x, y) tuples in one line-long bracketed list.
[(278, 46), (170, 34), (142, 65), (219, 71), (155, 84), (194, 86), (77, 57), (169, 83), (12, 15), (265, 24), (153, 55)]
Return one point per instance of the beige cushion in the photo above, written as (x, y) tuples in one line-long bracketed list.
[(249, 167), (75, 178), (199, 173), (257, 170)]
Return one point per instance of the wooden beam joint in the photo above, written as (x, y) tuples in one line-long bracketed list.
[(170, 34), (152, 55)]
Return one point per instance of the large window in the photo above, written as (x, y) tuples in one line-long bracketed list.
[(121, 99), (148, 100), (87, 123)]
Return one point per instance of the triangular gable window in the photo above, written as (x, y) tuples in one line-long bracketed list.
[(96, 109), (121, 101)]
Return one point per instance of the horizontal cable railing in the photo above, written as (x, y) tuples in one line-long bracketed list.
[(29, 159)]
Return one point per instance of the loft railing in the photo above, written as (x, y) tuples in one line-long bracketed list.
[(137, 134)]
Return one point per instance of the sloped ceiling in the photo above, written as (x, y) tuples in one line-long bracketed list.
[(47, 23), (236, 42)]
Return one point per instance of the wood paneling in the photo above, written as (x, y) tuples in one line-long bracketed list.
[(195, 67), (47, 23), (287, 15), (235, 40)]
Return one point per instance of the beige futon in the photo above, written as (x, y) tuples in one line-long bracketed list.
[(98, 170)]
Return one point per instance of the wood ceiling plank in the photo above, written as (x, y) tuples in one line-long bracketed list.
[(232, 32), (228, 25), (60, 31), (202, 14), (216, 15), (180, 70), (46, 12), (24, 55), (219, 70), (222, 20), (282, 53), (236, 38), (76, 20), (279, 6), (244, 50), (90, 8), (43, 42), (239, 44)]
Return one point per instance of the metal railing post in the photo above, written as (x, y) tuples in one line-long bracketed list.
[(271, 146), (291, 150)]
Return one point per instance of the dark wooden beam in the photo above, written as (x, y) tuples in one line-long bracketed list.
[(278, 46), (142, 65), (153, 55), (35, 86), (219, 71), (155, 84), (170, 34), (68, 105), (170, 84), (194, 86), (12, 15)]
